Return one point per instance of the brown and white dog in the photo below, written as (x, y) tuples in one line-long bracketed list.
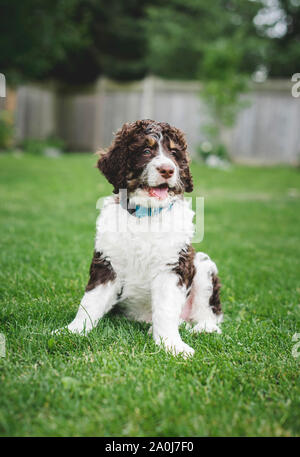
[(143, 260)]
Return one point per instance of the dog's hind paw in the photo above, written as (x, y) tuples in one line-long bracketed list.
[(206, 326)]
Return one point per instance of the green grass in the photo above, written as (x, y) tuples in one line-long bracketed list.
[(115, 382)]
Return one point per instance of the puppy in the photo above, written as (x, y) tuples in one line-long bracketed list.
[(144, 264)]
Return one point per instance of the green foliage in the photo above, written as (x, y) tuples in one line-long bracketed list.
[(115, 381), (75, 41), (223, 84), (210, 44), (36, 35), (37, 146), (282, 39), (6, 129), (181, 37), (206, 149), (223, 97)]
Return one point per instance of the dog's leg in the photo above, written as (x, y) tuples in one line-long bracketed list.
[(94, 304), (100, 296), (167, 302), (206, 306)]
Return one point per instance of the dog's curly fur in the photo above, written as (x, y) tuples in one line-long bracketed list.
[(121, 164)]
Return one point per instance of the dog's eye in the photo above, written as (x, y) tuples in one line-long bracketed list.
[(147, 151), (174, 153)]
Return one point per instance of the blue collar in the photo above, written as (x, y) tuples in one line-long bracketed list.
[(143, 211)]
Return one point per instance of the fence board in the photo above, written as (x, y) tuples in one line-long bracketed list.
[(268, 131)]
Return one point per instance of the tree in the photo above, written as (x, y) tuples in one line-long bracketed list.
[(35, 35), (76, 41), (219, 46), (72, 40), (181, 35), (279, 24), (223, 83)]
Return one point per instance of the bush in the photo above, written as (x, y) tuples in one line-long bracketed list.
[(38, 147), (207, 149), (223, 83)]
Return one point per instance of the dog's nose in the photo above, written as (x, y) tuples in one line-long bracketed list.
[(166, 170)]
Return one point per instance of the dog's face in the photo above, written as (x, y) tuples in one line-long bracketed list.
[(149, 159)]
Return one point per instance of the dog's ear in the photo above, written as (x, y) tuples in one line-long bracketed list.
[(185, 172), (178, 137), (186, 177), (113, 163)]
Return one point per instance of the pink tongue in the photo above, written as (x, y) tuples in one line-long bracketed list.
[(159, 192)]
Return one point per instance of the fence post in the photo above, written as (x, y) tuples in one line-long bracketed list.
[(99, 124), (147, 105), (2, 85)]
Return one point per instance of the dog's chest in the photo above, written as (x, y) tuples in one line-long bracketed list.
[(139, 249)]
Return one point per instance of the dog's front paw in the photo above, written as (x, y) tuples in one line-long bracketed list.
[(71, 328), (208, 326), (182, 349), (177, 347)]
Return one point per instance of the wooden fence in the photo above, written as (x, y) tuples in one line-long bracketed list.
[(266, 132)]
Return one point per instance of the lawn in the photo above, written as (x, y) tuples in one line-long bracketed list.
[(115, 382)]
